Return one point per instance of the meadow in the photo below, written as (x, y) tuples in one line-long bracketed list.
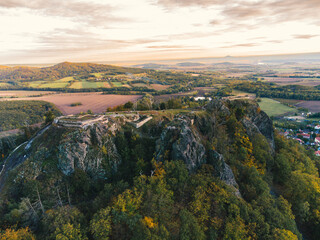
[(275, 108)]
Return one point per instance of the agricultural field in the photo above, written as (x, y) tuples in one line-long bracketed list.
[(139, 85), (311, 82), (237, 94), (5, 85), (313, 106), (21, 93), (159, 87), (275, 108), (116, 84), (55, 84), (95, 101)]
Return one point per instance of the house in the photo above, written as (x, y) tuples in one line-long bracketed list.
[(304, 135), (299, 140), (317, 153), (317, 127), (317, 140)]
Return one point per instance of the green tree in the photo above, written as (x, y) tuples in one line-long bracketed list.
[(100, 225), (69, 232), (190, 229), (20, 234), (49, 117)]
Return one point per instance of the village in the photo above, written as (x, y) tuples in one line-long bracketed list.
[(309, 135)]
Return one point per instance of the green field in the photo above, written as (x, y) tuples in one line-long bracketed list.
[(61, 83), (54, 85), (87, 84), (5, 84), (275, 108), (76, 85), (66, 79), (139, 85), (117, 84), (98, 75), (35, 84)]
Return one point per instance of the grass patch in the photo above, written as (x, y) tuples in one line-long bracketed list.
[(275, 108), (35, 84), (76, 85), (5, 84), (66, 79), (98, 75), (54, 85), (86, 84), (117, 84), (75, 104)]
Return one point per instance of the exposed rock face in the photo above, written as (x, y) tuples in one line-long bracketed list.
[(222, 170), (82, 149), (255, 120), (181, 143), (219, 106), (259, 122)]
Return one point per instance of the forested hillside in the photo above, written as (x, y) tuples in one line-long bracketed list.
[(218, 172), (15, 114), (58, 71)]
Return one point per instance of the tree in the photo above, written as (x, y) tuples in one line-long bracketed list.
[(69, 232), (283, 234), (162, 106), (49, 117), (190, 229), (20, 234), (128, 105), (100, 225), (63, 220)]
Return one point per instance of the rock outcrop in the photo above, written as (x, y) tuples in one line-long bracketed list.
[(179, 142), (83, 149), (222, 170)]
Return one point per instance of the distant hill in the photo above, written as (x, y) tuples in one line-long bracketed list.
[(190, 64), (153, 66), (58, 71)]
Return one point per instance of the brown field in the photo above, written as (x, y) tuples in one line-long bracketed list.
[(237, 74), (166, 97), (5, 93), (159, 87), (313, 106), (294, 81), (203, 90), (288, 101), (94, 101)]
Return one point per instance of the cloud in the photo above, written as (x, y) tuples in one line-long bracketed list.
[(85, 12), (166, 46), (304, 36), (215, 22), (242, 45), (262, 11), (274, 41), (242, 12), (187, 3)]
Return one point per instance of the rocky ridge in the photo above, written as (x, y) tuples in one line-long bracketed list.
[(92, 146)]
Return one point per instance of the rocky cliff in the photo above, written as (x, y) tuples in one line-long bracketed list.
[(179, 142), (188, 137)]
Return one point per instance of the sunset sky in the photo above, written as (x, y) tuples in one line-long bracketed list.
[(49, 31)]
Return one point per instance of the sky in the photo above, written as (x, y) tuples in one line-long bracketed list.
[(52, 31)]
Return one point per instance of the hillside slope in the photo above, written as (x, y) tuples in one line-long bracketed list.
[(58, 71), (212, 173)]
